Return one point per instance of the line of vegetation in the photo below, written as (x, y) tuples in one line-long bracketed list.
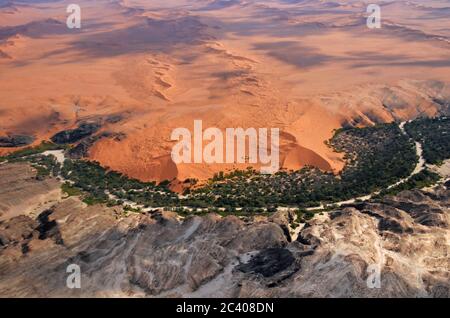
[(29, 151), (423, 179), (434, 136), (45, 165), (70, 190), (376, 157), (103, 185)]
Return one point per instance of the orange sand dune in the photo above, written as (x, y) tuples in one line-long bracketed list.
[(301, 67)]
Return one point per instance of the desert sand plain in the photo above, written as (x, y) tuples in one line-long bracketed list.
[(306, 67)]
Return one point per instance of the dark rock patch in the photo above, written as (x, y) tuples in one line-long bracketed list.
[(268, 262), (286, 232), (25, 248), (372, 214), (48, 229), (114, 119), (73, 135), (16, 141), (82, 149), (432, 219), (303, 240), (424, 213), (388, 224), (79, 151), (335, 214)]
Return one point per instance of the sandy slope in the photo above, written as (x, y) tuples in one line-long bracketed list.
[(306, 68)]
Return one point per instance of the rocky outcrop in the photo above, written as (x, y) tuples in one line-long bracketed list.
[(160, 255), (81, 150), (22, 194), (268, 262), (17, 230), (16, 141), (86, 135), (73, 135)]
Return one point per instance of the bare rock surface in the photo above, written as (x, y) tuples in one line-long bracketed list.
[(21, 193), (16, 141), (160, 255)]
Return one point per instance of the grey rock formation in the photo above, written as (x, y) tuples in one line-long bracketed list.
[(16, 140), (22, 194), (73, 135), (161, 255)]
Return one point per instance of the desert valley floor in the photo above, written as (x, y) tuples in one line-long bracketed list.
[(143, 68), (87, 177)]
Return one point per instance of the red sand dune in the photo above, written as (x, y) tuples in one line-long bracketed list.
[(301, 67)]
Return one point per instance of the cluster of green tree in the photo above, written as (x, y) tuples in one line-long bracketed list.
[(29, 151), (376, 157), (45, 166), (380, 155), (434, 136), (423, 179), (70, 190), (98, 182)]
